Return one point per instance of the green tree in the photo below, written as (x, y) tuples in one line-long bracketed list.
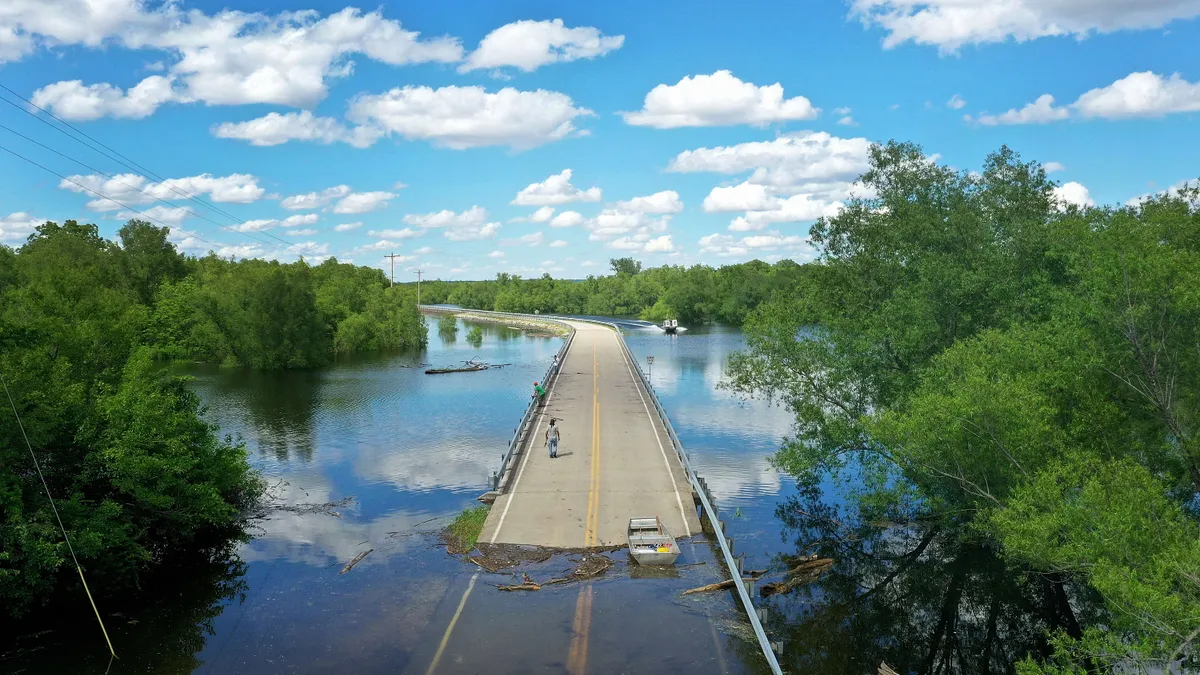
[(627, 266), (149, 258)]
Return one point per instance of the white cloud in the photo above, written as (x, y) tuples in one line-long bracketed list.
[(666, 201), (363, 202), (795, 209), (542, 215), (720, 99), (813, 162), (950, 24), (276, 129), (611, 223), (1040, 111), (302, 233), (1052, 167), (256, 225), (381, 245), (741, 197), (73, 100), (722, 245), (470, 117), (346, 227), (532, 239), (555, 190), (1144, 94), (299, 220), (660, 245), (132, 189), (567, 219), (726, 246), (472, 217), (473, 233), (406, 233), (497, 254), (1187, 185), (956, 102), (17, 226), (847, 121), (1073, 194), (424, 250), (842, 111), (558, 243), (315, 200), (162, 215), (529, 45), (230, 57)]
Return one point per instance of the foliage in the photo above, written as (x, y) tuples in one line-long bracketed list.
[(448, 325), (463, 532), (694, 294), (475, 336), (972, 355), (137, 474)]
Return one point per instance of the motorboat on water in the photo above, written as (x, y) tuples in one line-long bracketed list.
[(670, 326), (650, 543)]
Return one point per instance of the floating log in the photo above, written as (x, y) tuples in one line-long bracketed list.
[(728, 583), (804, 573), (355, 560)]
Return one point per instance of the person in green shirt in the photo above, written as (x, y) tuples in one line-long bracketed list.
[(539, 393)]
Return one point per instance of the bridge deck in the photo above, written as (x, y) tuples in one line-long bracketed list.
[(615, 460)]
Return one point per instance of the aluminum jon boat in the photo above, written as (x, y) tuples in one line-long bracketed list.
[(650, 543)]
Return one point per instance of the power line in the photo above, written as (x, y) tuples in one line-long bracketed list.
[(103, 196), (131, 187), (37, 465), (124, 160)]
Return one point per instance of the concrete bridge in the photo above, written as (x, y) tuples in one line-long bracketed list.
[(615, 461)]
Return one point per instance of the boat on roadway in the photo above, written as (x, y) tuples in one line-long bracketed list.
[(650, 543)]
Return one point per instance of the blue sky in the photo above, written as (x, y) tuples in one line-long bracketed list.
[(472, 138)]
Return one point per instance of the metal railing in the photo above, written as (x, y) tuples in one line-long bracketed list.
[(698, 486)]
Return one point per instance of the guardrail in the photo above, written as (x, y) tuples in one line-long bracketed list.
[(698, 486)]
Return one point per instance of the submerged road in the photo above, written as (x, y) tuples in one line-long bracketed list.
[(615, 459)]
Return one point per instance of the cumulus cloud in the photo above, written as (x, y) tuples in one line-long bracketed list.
[(727, 246), (1188, 186), (567, 219), (1052, 167), (1073, 194), (276, 129), (795, 209), (299, 220), (346, 227), (497, 254), (542, 215), (555, 190), (363, 202), (558, 243), (744, 196), (1144, 94), (405, 233), (956, 102), (950, 24), (73, 100), (132, 189), (469, 225), (847, 121), (666, 201), (1040, 111), (470, 117), (795, 162), (17, 226), (532, 239), (315, 200), (720, 99), (226, 58), (529, 45), (302, 233), (170, 216)]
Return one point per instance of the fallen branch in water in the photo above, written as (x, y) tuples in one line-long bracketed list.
[(728, 583), (528, 585), (355, 560), (806, 572)]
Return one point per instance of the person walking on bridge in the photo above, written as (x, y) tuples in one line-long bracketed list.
[(552, 436)]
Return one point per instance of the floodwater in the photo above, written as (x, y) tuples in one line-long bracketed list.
[(371, 454)]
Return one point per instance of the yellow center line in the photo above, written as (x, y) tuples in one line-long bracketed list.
[(577, 657)]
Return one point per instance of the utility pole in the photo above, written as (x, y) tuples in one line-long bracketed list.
[(418, 289), (393, 259)]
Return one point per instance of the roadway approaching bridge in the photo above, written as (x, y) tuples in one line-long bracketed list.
[(615, 461)]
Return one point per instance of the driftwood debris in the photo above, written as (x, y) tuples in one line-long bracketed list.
[(728, 583), (808, 570), (885, 669), (355, 560), (527, 585)]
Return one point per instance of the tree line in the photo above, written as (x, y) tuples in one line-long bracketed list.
[(696, 294), (986, 368), (139, 476)]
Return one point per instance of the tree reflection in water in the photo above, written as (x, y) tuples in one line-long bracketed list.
[(924, 597), (163, 639)]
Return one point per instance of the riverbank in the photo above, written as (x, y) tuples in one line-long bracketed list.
[(544, 326)]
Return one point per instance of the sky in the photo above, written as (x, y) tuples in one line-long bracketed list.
[(472, 138)]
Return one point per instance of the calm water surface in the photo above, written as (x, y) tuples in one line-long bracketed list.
[(398, 454)]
